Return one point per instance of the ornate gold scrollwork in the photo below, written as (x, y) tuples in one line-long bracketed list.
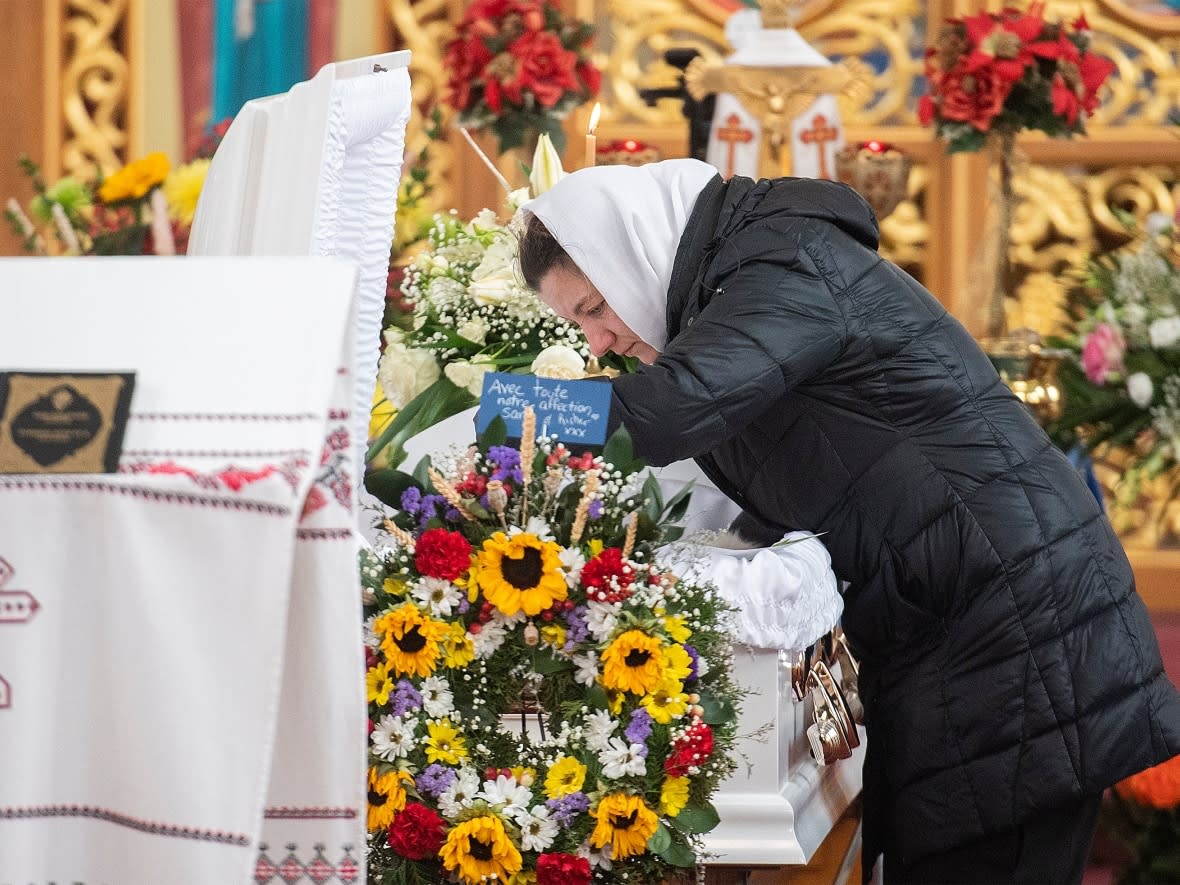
[(95, 84)]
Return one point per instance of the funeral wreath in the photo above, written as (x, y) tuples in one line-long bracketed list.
[(547, 704)]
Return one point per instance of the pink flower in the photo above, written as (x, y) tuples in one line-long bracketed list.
[(1102, 352)]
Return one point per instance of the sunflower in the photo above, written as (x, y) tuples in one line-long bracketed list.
[(565, 776), (378, 684), (444, 744), (479, 849), (634, 663), (410, 640), (667, 702), (673, 796), (387, 797), (625, 822), (458, 649), (521, 573)]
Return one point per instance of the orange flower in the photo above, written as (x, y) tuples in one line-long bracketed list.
[(1157, 787)]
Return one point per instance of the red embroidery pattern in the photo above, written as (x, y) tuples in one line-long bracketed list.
[(333, 476), (153, 828), (233, 478), (17, 485), (318, 870)]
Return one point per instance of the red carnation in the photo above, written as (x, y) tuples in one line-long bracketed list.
[(693, 748), (417, 832), (562, 869), (604, 577), (440, 553)]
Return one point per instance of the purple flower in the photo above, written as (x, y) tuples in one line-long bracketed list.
[(695, 667), (639, 729), (429, 508), (435, 779), (412, 500), (405, 698), (452, 514), (566, 808), (505, 462), (594, 511), (575, 618)]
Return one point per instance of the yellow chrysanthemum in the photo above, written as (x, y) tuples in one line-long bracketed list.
[(479, 849), (135, 179), (675, 662), (625, 823), (444, 743), (378, 685), (675, 627), (182, 189), (565, 776), (394, 586), (667, 702), (633, 663), (521, 573), (387, 797), (673, 796), (458, 649), (554, 635), (410, 640)]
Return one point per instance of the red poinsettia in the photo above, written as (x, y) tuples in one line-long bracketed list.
[(519, 66), (417, 832), (562, 869), (440, 553), (1009, 71)]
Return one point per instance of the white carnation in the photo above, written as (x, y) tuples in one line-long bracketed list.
[(598, 730), (467, 375), (559, 361), (621, 759), (474, 330), (1164, 332), (1140, 389), (404, 372)]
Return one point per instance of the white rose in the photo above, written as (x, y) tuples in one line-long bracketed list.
[(559, 361), (485, 220), (474, 330), (1140, 389), (469, 375), (404, 372), (1164, 332)]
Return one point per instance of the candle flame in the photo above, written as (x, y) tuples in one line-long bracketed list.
[(594, 115)]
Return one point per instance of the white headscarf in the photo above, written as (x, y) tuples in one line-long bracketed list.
[(621, 225)]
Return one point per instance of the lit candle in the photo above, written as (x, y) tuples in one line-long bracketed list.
[(162, 238), (591, 141)]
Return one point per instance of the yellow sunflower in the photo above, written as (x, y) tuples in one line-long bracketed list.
[(634, 663), (410, 640), (387, 797), (458, 649), (667, 702), (521, 573), (378, 684), (565, 776), (673, 796), (135, 179), (625, 823), (444, 743), (479, 849)]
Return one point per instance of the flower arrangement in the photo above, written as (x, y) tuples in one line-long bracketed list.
[(1144, 813), (518, 67), (146, 207), (992, 75), (1122, 387), (525, 579), (471, 313)]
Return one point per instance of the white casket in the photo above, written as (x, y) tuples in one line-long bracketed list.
[(779, 805)]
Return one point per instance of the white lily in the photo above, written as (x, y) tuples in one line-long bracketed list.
[(546, 170)]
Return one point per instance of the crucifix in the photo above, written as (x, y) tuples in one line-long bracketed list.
[(820, 134), (732, 133)]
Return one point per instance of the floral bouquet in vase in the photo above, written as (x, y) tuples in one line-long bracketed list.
[(518, 67), (547, 703), (992, 75)]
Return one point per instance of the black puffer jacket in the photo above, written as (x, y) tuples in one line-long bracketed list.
[(1007, 663)]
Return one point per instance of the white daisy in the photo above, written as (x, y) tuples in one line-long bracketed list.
[(460, 794), (489, 638), (506, 792), (621, 759), (572, 561), (598, 730), (393, 737), (440, 596), (537, 831), (587, 668), (601, 618), (599, 858), (437, 699)]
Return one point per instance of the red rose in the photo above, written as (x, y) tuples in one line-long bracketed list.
[(466, 60), (562, 869), (590, 76), (417, 832), (546, 67), (440, 553), (974, 97)]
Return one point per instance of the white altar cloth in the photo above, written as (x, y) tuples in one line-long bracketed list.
[(184, 701)]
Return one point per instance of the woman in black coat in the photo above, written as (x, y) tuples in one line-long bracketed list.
[(1009, 671)]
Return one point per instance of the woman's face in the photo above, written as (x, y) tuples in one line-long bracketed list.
[(573, 297)]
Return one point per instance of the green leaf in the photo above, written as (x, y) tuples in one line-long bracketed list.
[(661, 840), (678, 855), (495, 434), (677, 505), (440, 400), (546, 664), (697, 820), (387, 485), (619, 449), (596, 697), (717, 711), (422, 472)]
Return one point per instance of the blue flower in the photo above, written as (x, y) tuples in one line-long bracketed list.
[(568, 807), (412, 500)]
